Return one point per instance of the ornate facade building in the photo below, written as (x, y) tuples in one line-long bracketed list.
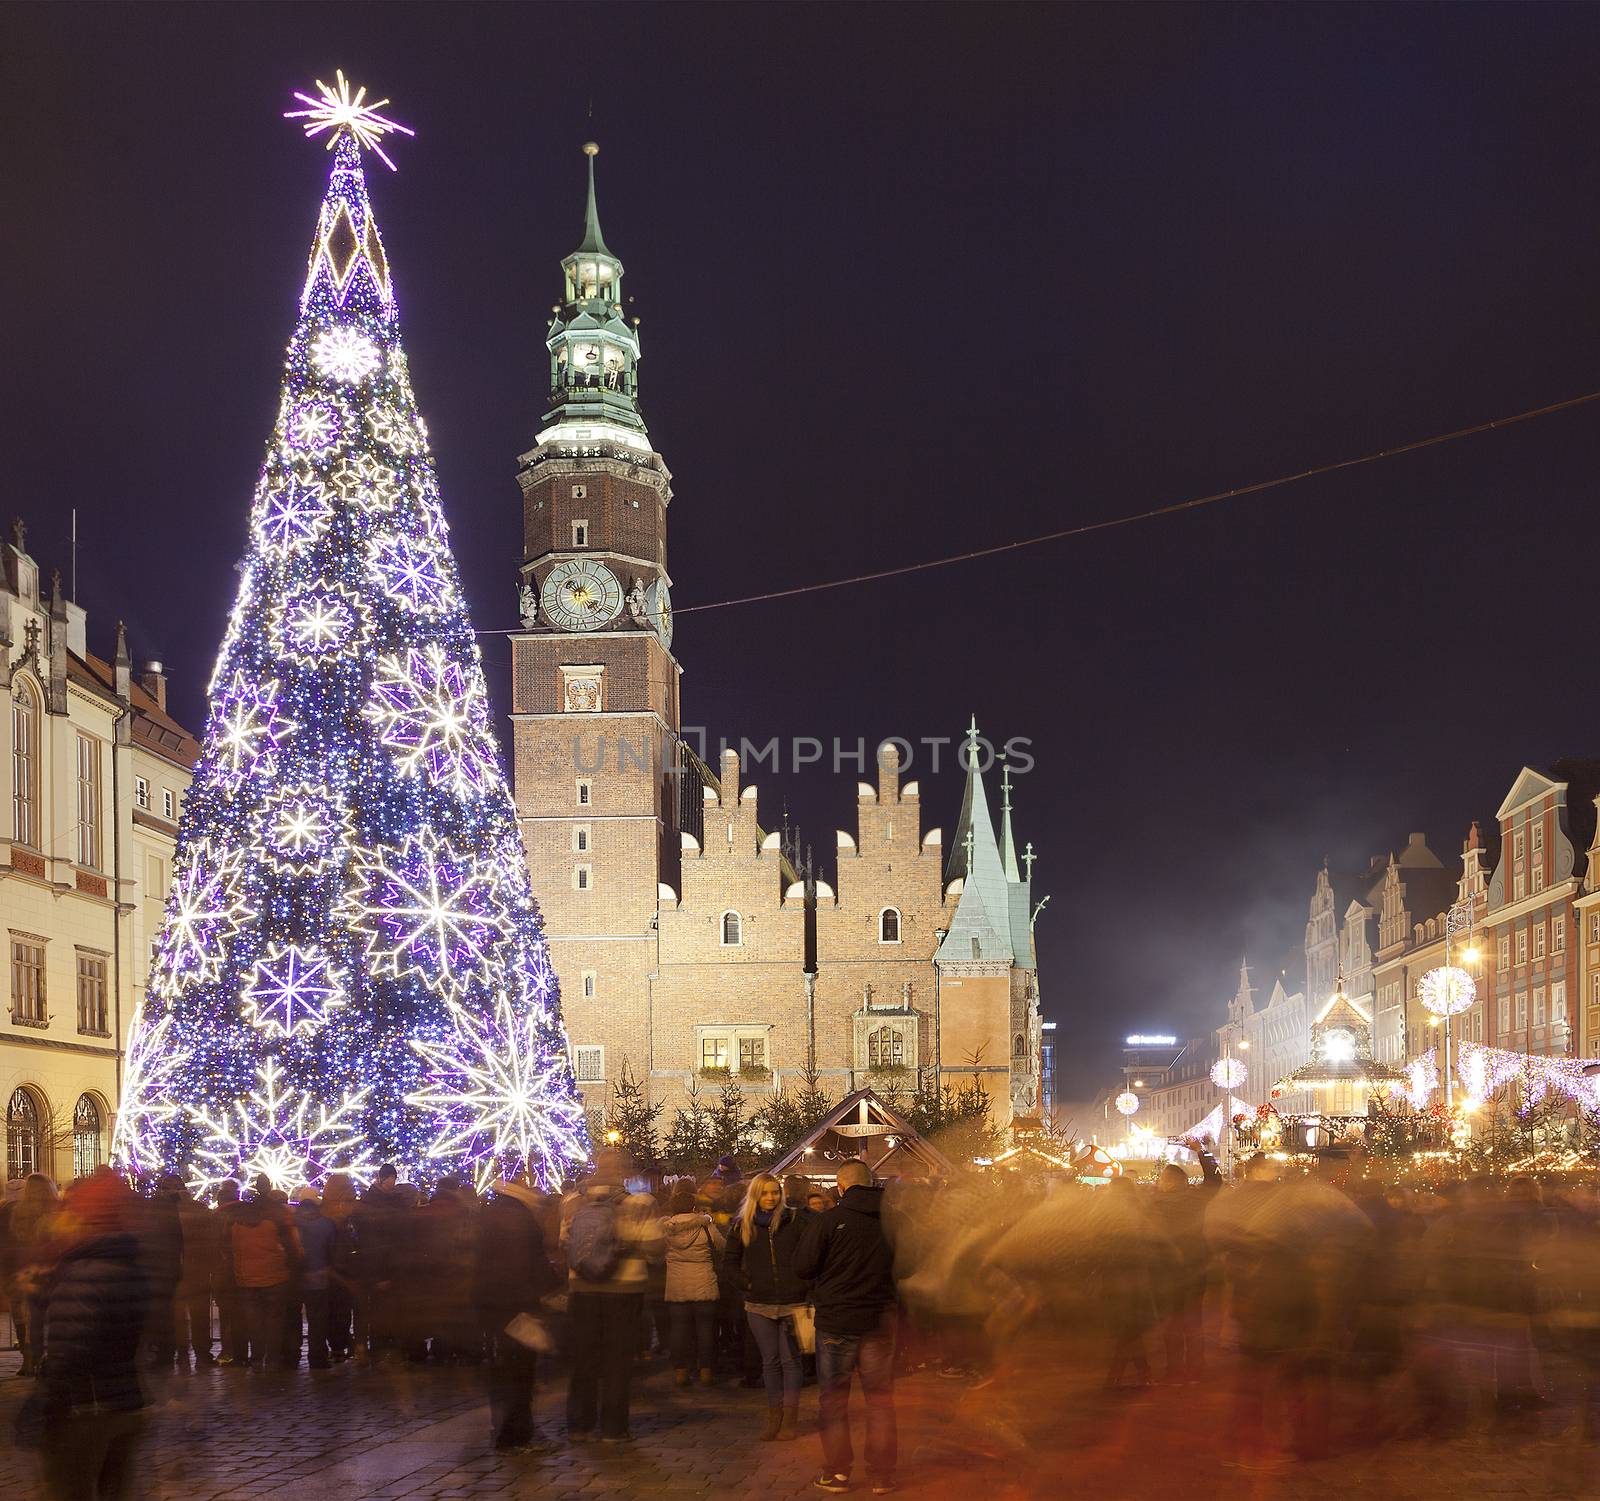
[(1531, 976), (97, 773), (689, 948)]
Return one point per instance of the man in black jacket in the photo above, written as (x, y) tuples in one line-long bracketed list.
[(513, 1273), (850, 1263)]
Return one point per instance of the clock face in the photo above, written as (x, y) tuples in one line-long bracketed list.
[(580, 594), (658, 607)]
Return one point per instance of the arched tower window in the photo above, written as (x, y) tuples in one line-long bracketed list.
[(86, 1137), (886, 1048), (24, 1144), (1019, 1046), (25, 765), (889, 925), (732, 930)]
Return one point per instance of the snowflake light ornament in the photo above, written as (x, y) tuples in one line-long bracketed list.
[(312, 427), (205, 908), (501, 1098), (432, 715), (280, 1132), (290, 515), (343, 354), (316, 624), (338, 111), (151, 1069), (410, 572), (247, 732), (426, 909), (389, 427), (293, 990), (305, 829), (366, 485)]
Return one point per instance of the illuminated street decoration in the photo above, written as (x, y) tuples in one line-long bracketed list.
[(281, 1133), (151, 1070), (429, 713), (1127, 1103), (1485, 1070), (1447, 991), (1229, 1073), (352, 968), (294, 989), (495, 1091), (343, 114), (304, 829), (1422, 1078)]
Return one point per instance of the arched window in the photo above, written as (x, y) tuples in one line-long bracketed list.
[(886, 1048), (86, 1156), (23, 1140), (732, 929), (1019, 1046), (25, 765), (889, 925)]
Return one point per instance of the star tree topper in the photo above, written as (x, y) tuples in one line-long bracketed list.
[(339, 110)]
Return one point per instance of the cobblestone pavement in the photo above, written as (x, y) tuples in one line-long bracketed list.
[(403, 1431)]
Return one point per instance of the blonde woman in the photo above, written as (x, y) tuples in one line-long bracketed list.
[(760, 1263)]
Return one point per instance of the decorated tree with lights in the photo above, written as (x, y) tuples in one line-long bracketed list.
[(351, 968)]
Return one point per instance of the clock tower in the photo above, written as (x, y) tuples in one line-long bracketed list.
[(595, 714)]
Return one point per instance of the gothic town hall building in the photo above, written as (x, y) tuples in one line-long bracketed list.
[(688, 948)]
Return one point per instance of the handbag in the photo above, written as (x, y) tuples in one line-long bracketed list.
[(804, 1319)]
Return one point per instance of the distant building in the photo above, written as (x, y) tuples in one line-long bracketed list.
[(1547, 823), (691, 947), (1586, 932), (98, 772)]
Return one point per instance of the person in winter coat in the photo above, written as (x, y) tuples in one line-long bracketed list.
[(264, 1249), (29, 1225), (849, 1262), (761, 1265), (162, 1254), (191, 1306), (345, 1328), (692, 1240), (316, 1232), (96, 1307), (512, 1273), (611, 1238)]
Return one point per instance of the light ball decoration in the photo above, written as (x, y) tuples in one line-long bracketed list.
[(1127, 1103), (1229, 1073), (1447, 991)]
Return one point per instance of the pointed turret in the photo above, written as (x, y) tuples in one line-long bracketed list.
[(1008, 843), (594, 347), (983, 926), (594, 243)]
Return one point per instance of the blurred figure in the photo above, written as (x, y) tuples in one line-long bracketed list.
[(445, 1253), (819, 1201), (1178, 1211), (316, 1235), (162, 1252), (199, 1229), (1129, 1265), (847, 1258), (692, 1243), (96, 1307), (762, 1247), (345, 1329), (261, 1243), (29, 1229), (512, 1273), (611, 1239), (230, 1319), (796, 1190), (379, 1225)]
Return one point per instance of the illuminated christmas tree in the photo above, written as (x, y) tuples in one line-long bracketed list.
[(352, 968)]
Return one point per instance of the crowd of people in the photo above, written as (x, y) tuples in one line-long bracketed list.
[(1349, 1311)]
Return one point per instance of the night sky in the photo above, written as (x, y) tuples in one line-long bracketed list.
[(913, 280)]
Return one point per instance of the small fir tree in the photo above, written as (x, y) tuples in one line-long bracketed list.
[(634, 1119)]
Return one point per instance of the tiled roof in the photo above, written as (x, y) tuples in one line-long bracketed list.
[(153, 728)]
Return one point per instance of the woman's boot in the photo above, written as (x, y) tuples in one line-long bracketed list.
[(680, 1377), (708, 1377), (769, 1430), (791, 1423)]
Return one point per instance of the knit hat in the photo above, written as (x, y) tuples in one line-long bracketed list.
[(100, 1204), (727, 1168)]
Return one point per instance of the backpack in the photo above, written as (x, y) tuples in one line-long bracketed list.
[(592, 1246)]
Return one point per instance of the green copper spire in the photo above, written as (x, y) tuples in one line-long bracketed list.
[(594, 344), (1008, 843), (594, 243)]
